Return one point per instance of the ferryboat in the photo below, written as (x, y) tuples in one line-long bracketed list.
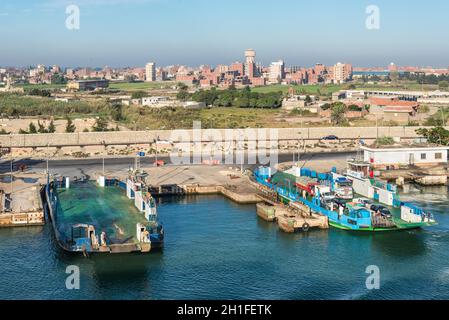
[(374, 208), (91, 217)]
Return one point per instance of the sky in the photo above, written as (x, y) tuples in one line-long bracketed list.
[(121, 33)]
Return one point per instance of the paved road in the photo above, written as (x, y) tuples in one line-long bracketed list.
[(116, 164)]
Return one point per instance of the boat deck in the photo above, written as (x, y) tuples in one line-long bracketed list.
[(107, 209)]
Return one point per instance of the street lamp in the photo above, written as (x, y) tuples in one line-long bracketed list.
[(12, 160)]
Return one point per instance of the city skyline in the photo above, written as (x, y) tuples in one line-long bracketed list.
[(121, 33)]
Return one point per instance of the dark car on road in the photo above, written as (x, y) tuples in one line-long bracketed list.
[(330, 138)]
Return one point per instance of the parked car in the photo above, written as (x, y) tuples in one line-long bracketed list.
[(382, 210), (340, 203), (365, 202), (330, 138)]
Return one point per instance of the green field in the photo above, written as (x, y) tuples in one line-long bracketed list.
[(42, 86), (123, 86), (302, 89), (137, 86)]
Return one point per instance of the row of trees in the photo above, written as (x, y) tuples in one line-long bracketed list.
[(232, 97), (441, 80), (32, 129), (101, 125)]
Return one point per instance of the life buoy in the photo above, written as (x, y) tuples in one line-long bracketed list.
[(305, 227)]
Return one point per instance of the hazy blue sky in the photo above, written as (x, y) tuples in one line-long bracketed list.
[(193, 32)]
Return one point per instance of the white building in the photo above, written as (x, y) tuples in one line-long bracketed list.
[(156, 102), (150, 72), (276, 72), (389, 157)]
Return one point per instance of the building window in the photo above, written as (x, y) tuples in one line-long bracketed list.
[(423, 156), (438, 156)]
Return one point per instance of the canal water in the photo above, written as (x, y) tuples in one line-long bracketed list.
[(216, 249)]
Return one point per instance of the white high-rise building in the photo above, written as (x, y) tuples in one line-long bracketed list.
[(276, 72), (150, 72)]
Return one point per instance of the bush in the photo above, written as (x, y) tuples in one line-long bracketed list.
[(385, 141)]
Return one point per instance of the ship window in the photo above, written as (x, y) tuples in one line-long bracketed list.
[(423, 156), (438, 156)]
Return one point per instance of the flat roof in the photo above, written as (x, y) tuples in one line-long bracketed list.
[(400, 146)]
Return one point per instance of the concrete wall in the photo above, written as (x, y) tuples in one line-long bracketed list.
[(145, 137)]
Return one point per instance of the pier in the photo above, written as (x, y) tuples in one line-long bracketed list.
[(291, 218), (20, 202)]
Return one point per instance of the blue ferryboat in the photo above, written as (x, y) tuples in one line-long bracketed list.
[(357, 214)]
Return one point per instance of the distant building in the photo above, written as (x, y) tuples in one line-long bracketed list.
[(277, 72), (250, 63), (194, 105), (150, 72), (237, 67), (87, 85), (392, 67), (342, 73), (156, 102)]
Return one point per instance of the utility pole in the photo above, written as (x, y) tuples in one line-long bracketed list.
[(243, 151), (48, 155), (377, 130), (442, 116), (12, 159), (104, 149)]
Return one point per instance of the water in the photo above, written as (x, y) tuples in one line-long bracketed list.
[(215, 249)]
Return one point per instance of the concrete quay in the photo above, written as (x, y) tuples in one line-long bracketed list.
[(200, 180)]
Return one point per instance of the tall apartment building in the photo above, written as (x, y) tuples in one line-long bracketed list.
[(277, 72), (250, 63), (150, 72), (342, 72)]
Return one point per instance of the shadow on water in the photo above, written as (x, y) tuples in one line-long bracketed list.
[(394, 244)]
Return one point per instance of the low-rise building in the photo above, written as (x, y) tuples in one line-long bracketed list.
[(157, 102), (87, 85), (399, 155)]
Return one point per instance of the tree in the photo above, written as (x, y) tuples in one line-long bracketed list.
[(438, 135), (443, 85), (41, 128), (58, 79), (116, 111), (39, 92), (101, 124), (32, 128), (354, 107), (51, 127), (139, 95), (338, 111), (308, 99), (70, 127), (182, 86), (394, 76)]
